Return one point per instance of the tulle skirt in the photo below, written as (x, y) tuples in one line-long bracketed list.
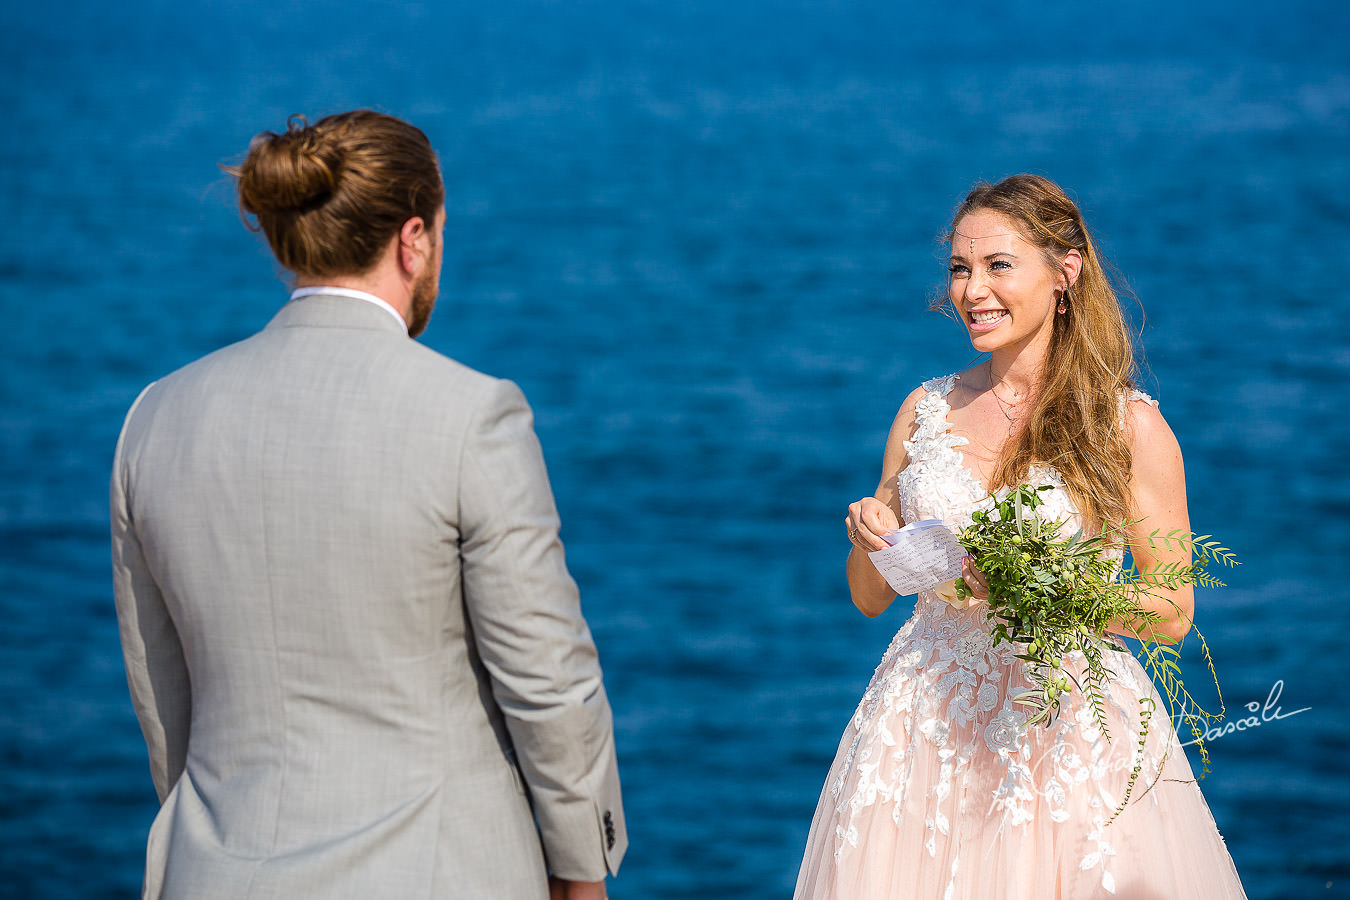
[(939, 790)]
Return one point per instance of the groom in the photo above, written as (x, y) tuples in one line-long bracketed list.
[(355, 651)]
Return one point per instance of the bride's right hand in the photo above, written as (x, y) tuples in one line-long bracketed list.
[(867, 520)]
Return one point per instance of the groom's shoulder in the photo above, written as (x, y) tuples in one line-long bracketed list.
[(406, 374), (382, 351), (447, 377), (194, 371), (442, 388)]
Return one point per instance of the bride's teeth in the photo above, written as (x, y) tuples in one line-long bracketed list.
[(986, 317)]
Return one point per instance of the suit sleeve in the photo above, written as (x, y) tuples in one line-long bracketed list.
[(531, 636), (156, 670)]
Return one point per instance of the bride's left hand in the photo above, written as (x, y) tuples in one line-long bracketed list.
[(975, 580)]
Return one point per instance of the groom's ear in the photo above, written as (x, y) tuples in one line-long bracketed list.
[(414, 246)]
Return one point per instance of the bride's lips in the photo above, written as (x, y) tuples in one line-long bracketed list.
[(989, 325)]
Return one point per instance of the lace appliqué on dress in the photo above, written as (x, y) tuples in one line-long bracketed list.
[(944, 688)]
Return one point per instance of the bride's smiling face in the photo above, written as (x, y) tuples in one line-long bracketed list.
[(1001, 286)]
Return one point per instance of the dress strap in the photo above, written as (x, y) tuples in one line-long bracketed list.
[(930, 435), (1136, 394), (941, 386), (930, 416), (1127, 397)]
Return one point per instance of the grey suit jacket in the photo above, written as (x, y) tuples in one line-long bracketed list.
[(352, 643)]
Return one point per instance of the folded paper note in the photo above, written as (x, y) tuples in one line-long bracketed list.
[(922, 555)]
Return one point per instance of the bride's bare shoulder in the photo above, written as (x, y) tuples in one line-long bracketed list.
[(976, 373), (1148, 433), (968, 384), (912, 400), (902, 429)]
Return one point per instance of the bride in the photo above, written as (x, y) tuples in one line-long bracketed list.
[(939, 789)]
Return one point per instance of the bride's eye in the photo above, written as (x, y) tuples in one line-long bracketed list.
[(956, 270), (1000, 265)]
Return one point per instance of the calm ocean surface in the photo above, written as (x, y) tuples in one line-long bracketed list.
[(702, 237)]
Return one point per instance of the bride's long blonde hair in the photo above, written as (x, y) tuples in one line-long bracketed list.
[(1075, 422)]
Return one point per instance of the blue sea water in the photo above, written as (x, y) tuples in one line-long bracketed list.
[(702, 237)]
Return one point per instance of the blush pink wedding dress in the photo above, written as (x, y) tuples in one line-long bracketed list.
[(940, 792)]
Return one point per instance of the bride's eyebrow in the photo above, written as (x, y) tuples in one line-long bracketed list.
[(959, 257)]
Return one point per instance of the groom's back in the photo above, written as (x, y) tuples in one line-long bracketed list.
[(351, 639), (297, 496)]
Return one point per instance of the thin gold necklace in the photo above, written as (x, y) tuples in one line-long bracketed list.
[(1003, 405)]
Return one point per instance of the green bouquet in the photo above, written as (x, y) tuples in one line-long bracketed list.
[(1056, 596)]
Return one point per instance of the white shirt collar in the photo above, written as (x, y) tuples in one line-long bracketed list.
[(355, 295)]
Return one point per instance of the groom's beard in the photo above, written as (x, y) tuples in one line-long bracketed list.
[(423, 301)]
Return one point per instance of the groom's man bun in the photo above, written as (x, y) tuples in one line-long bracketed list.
[(329, 196)]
